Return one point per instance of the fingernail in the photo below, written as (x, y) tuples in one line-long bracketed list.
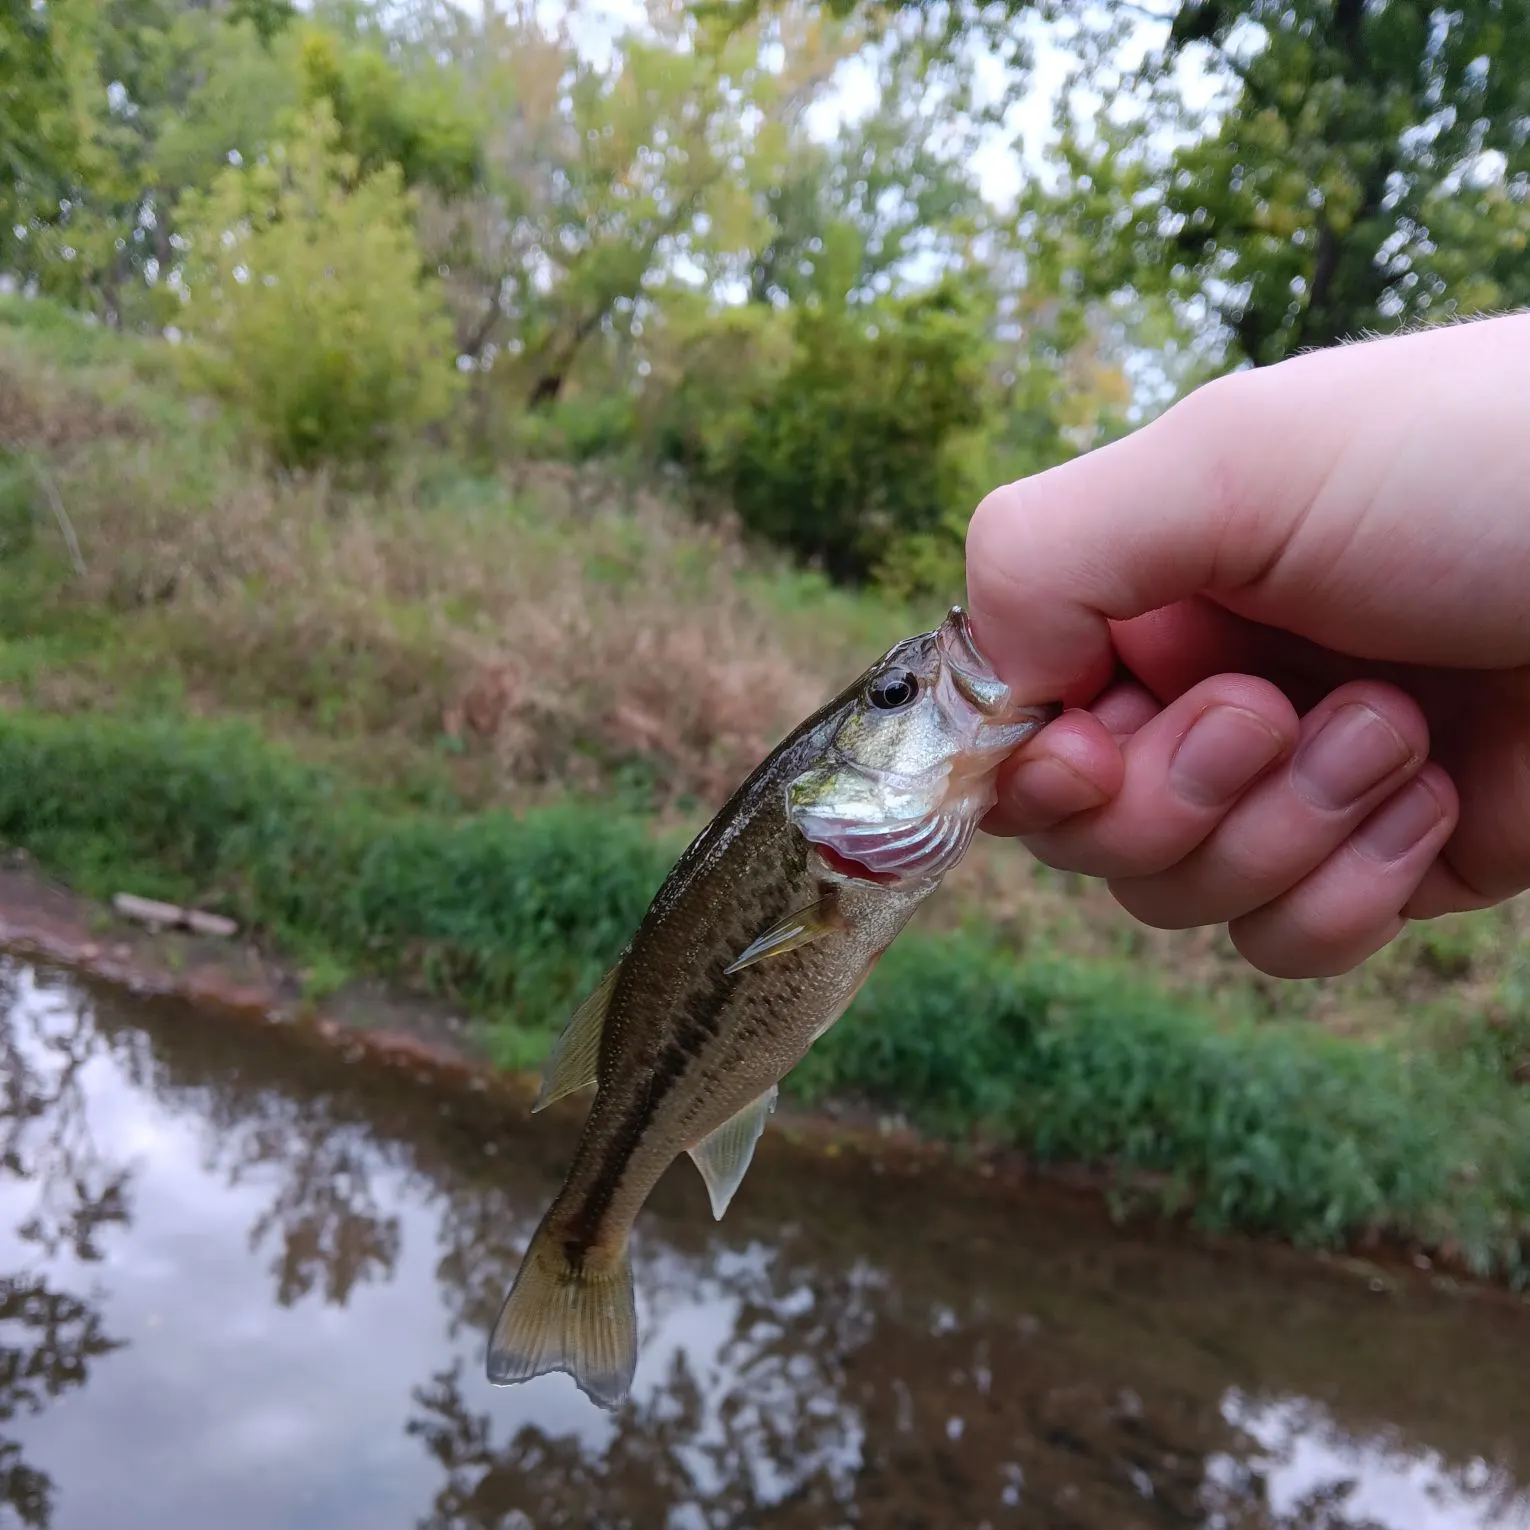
[(1399, 823), (1356, 749), (1224, 750)]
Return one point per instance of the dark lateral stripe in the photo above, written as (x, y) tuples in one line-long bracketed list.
[(700, 1026)]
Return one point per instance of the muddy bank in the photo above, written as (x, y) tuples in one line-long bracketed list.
[(243, 981)]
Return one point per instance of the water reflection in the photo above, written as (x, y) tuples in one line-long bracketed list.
[(47, 1339), (1314, 1472), (70, 1192), (251, 1284)]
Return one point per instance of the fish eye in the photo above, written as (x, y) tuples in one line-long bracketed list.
[(894, 690)]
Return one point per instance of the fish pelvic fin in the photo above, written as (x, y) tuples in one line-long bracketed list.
[(575, 1058), (578, 1319), (723, 1156), (799, 928)]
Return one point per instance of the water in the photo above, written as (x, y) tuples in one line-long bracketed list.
[(245, 1284)]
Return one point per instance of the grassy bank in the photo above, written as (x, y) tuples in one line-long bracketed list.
[(1275, 1128), (462, 631)]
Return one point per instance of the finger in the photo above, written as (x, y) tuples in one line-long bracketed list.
[(1351, 906), (1355, 749), (1126, 708), (1486, 749), (1443, 892), (1178, 646), (1183, 768), (1194, 501), (1071, 766)]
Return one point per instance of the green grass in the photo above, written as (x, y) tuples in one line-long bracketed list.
[(1260, 1128), (514, 915)]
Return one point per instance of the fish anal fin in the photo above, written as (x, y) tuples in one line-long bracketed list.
[(792, 931), (575, 1057), (557, 1317), (724, 1155)]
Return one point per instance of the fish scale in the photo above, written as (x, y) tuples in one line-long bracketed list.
[(758, 940)]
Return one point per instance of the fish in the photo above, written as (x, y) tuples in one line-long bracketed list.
[(758, 940)]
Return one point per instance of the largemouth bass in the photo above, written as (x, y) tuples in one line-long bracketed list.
[(756, 943)]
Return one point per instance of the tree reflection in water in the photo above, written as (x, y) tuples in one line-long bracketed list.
[(833, 1354), (47, 1339), (45, 1128), (318, 1152), (48, 1336)]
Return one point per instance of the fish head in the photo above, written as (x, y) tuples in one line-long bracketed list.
[(911, 759)]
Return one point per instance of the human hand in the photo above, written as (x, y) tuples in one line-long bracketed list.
[(1292, 621)]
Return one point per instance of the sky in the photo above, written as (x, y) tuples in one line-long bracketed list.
[(1000, 167)]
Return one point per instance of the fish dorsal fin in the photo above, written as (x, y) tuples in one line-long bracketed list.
[(791, 931), (723, 1156), (575, 1057)]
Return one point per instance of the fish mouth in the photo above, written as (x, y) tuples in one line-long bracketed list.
[(975, 679), (895, 853)]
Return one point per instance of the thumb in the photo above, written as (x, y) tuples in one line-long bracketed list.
[(1193, 502)]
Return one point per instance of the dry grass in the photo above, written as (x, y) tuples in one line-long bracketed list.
[(550, 632)]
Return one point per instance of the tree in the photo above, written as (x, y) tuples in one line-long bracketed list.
[(153, 98), (1373, 167), (848, 443), (307, 303), (38, 142), (158, 94), (891, 196), (1363, 164), (603, 180), (405, 111)]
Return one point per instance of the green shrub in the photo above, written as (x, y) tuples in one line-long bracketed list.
[(846, 444), (1274, 1128), (308, 307), (518, 915)]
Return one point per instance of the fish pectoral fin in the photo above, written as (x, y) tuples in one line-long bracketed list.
[(794, 930), (723, 1156), (575, 1057)]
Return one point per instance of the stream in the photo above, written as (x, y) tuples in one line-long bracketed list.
[(245, 1283)]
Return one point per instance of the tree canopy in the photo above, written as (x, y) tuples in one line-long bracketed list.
[(762, 242)]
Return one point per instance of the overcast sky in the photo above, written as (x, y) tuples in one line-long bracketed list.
[(999, 165)]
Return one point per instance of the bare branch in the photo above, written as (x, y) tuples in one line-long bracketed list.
[(60, 514)]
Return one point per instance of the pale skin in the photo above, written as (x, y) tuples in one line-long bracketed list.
[(1340, 541)]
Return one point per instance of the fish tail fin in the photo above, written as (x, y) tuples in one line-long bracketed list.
[(559, 1316)]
